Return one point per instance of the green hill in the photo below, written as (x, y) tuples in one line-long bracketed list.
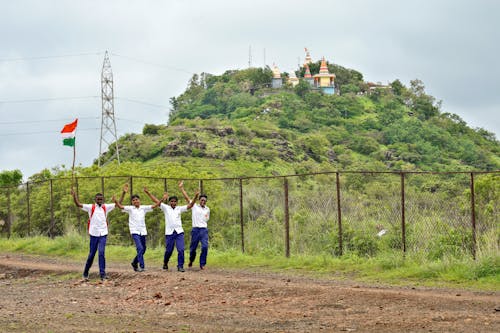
[(235, 124)]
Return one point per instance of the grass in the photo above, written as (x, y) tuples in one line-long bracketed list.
[(387, 269)]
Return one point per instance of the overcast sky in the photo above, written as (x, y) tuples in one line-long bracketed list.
[(51, 55)]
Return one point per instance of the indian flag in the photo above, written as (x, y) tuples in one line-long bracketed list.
[(68, 133)]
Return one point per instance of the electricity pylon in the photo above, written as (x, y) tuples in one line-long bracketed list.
[(108, 124)]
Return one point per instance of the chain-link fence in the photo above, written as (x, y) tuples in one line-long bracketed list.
[(333, 213)]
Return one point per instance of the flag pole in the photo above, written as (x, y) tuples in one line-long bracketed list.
[(69, 139), (73, 166)]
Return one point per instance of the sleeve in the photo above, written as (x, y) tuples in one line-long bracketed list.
[(148, 208), (163, 207), (87, 208), (110, 207), (183, 209), (126, 209)]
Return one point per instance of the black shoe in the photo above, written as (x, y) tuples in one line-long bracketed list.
[(140, 269), (190, 264), (104, 278), (85, 277), (202, 268), (134, 266), (181, 269), (165, 267)]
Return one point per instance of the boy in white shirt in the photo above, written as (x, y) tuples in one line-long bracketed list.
[(137, 225), (174, 234), (199, 232), (98, 231)]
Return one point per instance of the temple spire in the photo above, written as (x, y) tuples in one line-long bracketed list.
[(308, 59)]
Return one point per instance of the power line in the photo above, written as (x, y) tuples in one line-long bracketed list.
[(152, 64), (40, 121), (143, 103), (131, 120), (50, 57), (35, 100), (43, 132), (55, 99)]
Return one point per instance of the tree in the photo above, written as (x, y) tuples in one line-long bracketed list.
[(10, 178), (397, 87), (302, 88)]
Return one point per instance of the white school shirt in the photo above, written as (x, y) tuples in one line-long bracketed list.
[(201, 215), (98, 225), (137, 218), (173, 220)]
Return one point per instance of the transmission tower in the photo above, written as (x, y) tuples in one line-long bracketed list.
[(108, 124)]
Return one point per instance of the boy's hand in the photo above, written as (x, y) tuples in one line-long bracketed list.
[(125, 188)]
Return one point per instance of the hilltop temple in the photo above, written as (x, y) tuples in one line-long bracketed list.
[(324, 80), (277, 81)]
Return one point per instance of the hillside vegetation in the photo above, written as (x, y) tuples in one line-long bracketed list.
[(235, 124)]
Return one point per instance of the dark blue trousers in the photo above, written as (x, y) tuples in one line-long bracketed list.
[(199, 235), (97, 244), (140, 246), (177, 240)]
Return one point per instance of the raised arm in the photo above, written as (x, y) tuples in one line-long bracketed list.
[(181, 187), (124, 191), (75, 199), (191, 204), (117, 203), (152, 197)]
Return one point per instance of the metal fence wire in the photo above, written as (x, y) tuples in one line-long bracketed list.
[(333, 213)]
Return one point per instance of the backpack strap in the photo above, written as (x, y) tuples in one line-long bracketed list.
[(105, 213), (91, 213)]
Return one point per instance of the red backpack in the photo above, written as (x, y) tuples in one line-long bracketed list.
[(92, 213)]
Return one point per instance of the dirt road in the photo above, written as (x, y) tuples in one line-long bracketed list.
[(40, 294)]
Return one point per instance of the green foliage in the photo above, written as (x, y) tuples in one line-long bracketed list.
[(454, 242), (10, 178), (401, 127), (150, 129), (302, 88)]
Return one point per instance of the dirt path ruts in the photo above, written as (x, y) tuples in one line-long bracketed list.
[(40, 294)]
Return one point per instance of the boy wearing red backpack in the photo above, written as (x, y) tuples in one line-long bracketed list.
[(98, 231)]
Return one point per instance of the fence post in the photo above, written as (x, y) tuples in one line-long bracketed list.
[(78, 211), (28, 217), (9, 220), (131, 190), (52, 221), (241, 217), (201, 186), (102, 185), (403, 219), (287, 219), (473, 215), (339, 213), (165, 189)]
